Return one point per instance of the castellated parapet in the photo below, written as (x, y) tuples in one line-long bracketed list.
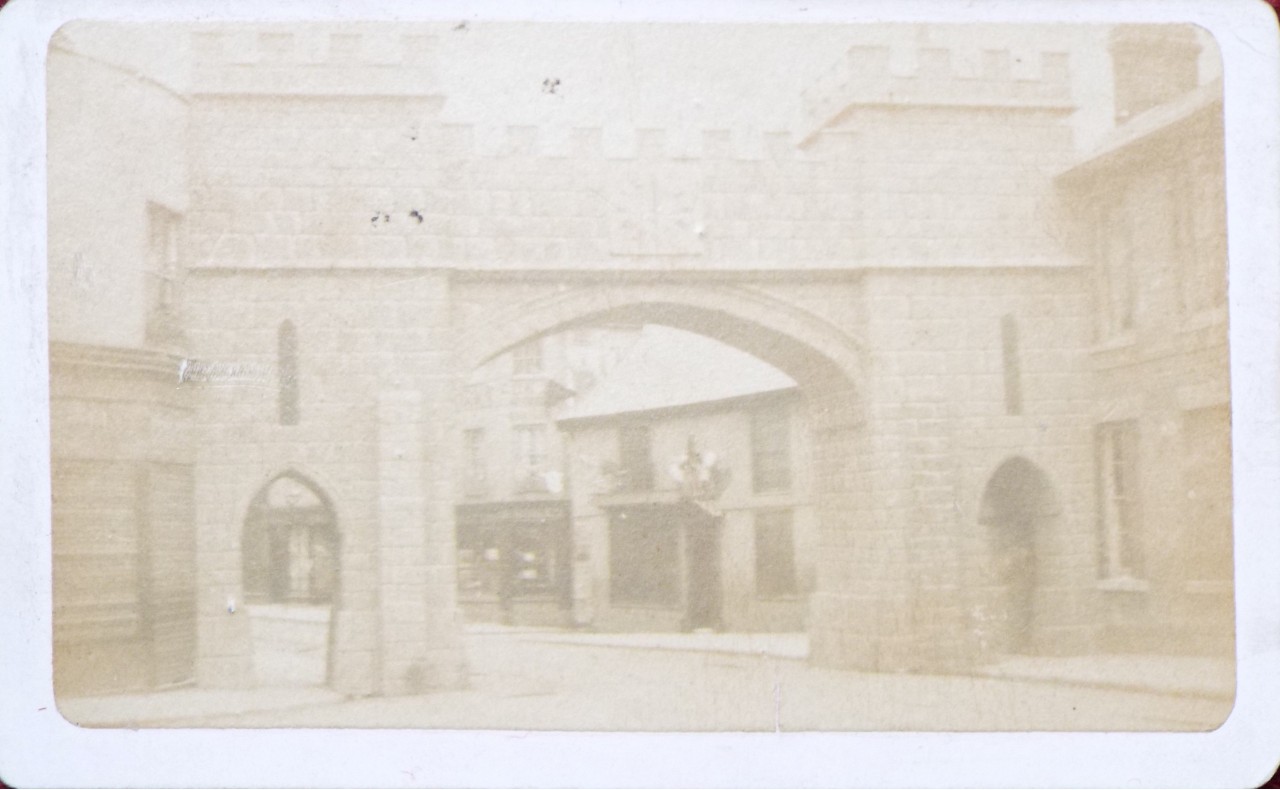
[(615, 142), (363, 172), (353, 60), (939, 77)]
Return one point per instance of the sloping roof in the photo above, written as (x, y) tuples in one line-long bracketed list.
[(1153, 122), (668, 367)]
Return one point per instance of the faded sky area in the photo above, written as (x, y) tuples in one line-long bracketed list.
[(682, 78)]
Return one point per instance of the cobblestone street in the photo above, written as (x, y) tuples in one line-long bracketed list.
[(546, 680)]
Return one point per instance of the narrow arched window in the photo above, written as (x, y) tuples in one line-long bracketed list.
[(287, 366), (1012, 365)]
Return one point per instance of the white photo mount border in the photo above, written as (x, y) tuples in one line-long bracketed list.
[(43, 749)]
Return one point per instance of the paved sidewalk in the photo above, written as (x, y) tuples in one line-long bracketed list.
[(782, 645), (1196, 676), (1192, 676), (162, 707), (543, 679)]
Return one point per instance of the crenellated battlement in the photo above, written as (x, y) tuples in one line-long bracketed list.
[(379, 60), (462, 141), (354, 59), (939, 77)]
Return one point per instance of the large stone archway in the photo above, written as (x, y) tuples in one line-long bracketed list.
[(865, 613), (804, 345)]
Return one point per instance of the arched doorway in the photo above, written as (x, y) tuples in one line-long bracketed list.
[(290, 565), (1017, 504)]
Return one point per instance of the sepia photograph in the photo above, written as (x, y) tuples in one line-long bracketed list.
[(606, 395), (659, 377)]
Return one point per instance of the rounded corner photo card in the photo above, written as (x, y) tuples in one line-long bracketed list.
[(704, 395)]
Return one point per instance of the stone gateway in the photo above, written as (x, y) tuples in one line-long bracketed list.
[(1012, 352)]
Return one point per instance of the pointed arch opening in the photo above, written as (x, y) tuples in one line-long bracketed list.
[(290, 554), (684, 426), (290, 544), (1018, 505), (810, 349)]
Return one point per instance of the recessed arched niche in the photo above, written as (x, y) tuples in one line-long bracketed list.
[(290, 544)]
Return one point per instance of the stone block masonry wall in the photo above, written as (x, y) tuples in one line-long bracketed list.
[(303, 141), (309, 183), (939, 77), (958, 173), (419, 645), (527, 202), (370, 182), (904, 580), (954, 152), (956, 159), (905, 187), (945, 186), (370, 351)]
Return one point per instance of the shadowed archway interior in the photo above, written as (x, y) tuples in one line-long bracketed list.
[(1017, 503), (290, 550)]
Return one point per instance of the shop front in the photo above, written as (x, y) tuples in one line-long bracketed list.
[(664, 567), (515, 563)]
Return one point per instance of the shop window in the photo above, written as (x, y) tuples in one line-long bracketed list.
[(504, 556), (1012, 365), (644, 559), (287, 370), (775, 554), (480, 555), (635, 458), (290, 545), (534, 565), (771, 449), (1120, 535)]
